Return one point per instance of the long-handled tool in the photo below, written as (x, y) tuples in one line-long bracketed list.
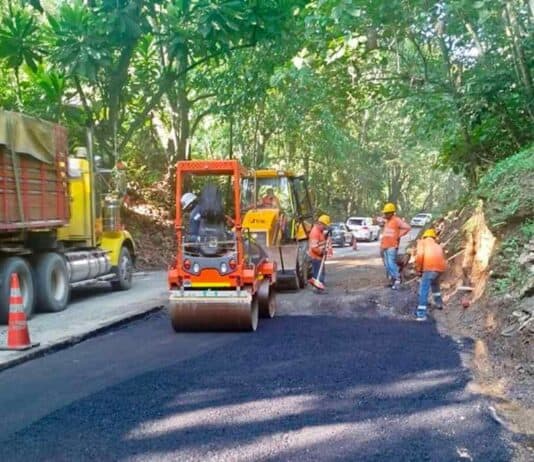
[(316, 282)]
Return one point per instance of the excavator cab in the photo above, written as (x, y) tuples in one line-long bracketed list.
[(281, 225)]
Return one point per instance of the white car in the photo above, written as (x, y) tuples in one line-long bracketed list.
[(421, 219), (363, 228)]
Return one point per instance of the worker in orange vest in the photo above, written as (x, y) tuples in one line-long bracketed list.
[(430, 263), (394, 229), (317, 251)]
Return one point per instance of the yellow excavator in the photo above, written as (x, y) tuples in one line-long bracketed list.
[(278, 216)]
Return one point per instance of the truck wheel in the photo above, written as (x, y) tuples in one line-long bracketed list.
[(124, 271), (7, 268), (51, 278)]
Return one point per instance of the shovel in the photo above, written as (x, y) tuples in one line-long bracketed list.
[(316, 282)]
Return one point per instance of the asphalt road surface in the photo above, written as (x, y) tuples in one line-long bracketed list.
[(343, 376)]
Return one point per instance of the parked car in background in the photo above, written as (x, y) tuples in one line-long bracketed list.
[(341, 235), (421, 219), (363, 228)]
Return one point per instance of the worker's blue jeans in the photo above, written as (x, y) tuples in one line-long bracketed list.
[(390, 262), (429, 280), (316, 265)]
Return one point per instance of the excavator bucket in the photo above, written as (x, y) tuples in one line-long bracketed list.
[(213, 310), (285, 257)]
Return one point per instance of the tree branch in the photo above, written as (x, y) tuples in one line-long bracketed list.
[(197, 120), (201, 97), (80, 91), (166, 83)]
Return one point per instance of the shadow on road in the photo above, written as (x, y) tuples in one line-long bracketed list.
[(301, 388)]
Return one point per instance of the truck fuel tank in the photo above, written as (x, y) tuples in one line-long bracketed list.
[(87, 264)]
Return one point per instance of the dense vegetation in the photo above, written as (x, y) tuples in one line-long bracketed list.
[(407, 100), (507, 190)]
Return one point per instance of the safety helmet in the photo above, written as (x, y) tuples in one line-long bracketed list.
[(389, 208), (430, 233), (324, 219), (187, 199)]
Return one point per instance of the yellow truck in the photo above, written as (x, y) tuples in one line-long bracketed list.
[(278, 216), (59, 226)]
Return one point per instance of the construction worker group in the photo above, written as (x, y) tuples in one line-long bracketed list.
[(430, 262)]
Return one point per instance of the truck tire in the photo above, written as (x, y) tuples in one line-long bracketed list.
[(51, 278), (124, 271), (22, 268)]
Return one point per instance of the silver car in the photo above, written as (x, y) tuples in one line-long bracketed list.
[(363, 228), (421, 219)]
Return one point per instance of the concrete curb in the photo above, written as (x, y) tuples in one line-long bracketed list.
[(74, 339)]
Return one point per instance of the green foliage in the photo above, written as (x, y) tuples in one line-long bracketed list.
[(508, 189), (19, 40), (527, 230), (513, 274), (79, 41), (373, 100), (508, 193)]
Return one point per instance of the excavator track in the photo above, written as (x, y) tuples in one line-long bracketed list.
[(213, 310)]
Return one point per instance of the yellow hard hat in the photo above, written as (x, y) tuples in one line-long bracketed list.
[(430, 233), (389, 208), (324, 219)]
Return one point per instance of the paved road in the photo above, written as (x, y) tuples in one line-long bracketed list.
[(90, 308), (337, 377)]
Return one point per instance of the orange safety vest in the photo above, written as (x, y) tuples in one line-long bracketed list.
[(394, 229), (316, 242), (429, 256)]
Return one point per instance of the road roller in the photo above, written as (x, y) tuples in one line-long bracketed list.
[(221, 278)]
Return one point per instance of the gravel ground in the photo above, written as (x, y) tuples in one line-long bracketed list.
[(343, 376)]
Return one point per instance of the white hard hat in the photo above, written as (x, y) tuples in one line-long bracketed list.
[(187, 199)]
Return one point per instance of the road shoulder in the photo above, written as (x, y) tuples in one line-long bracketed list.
[(92, 310)]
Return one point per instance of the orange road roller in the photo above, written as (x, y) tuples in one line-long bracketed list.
[(221, 279)]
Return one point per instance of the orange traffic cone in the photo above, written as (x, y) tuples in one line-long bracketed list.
[(18, 336)]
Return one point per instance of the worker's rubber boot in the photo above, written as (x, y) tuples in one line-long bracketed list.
[(396, 284)]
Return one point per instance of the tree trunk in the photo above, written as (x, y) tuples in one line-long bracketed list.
[(519, 57), (231, 138)]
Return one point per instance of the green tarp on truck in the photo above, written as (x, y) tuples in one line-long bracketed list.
[(33, 173)]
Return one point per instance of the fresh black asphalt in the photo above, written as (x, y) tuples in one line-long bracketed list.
[(305, 386)]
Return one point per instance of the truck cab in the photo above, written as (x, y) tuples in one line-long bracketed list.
[(58, 229)]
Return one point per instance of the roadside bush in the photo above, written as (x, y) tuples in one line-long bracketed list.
[(508, 193), (508, 190)]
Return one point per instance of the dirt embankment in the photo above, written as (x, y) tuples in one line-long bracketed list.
[(153, 232), (489, 288)]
